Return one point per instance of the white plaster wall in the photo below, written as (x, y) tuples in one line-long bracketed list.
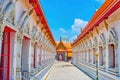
[(18, 11)]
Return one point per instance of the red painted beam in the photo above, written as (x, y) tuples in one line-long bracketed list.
[(32, 1)]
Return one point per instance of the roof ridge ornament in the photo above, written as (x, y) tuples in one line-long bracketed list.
[(60, 39)]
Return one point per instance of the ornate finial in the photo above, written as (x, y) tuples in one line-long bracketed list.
[(60, 39), (96, 8), (81, 29)]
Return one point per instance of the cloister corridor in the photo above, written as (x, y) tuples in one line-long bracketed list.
[(59, 40)]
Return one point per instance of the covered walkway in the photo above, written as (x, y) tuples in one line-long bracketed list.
[(65, 71), (28, 48)]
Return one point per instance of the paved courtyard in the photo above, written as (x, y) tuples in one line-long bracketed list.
[(66, 71)]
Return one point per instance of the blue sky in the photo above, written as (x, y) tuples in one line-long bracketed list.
[(66, 17)]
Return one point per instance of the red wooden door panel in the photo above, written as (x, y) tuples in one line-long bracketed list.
[(5, 57)]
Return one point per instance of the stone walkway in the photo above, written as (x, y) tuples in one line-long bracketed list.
[(66, 71)]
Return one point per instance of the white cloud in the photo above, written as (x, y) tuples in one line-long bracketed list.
[(62, 30), (78, 23), (101, 1)]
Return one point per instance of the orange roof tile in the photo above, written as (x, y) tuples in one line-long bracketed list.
[(67, 46)]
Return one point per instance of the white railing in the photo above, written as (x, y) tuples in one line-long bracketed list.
[(26, 76)]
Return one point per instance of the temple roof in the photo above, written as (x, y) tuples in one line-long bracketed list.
[(63, 46), (105, 10)]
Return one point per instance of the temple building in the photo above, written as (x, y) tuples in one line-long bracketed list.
[(26, 42), (28, 49), (100, 37), (63, 50)]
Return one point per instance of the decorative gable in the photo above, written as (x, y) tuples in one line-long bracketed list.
[(11, 17), (27, 29), (113, 37), (61, 46), (9, 14), (101, 39)]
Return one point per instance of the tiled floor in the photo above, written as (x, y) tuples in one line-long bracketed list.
[(66, 71)]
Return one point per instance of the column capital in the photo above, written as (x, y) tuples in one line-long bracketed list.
[(19, 38), (32, 42), (116, 43), (19, 35), (16, 0)]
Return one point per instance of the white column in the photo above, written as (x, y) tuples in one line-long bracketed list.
[(15, 56), (43, 53), (1, 35), (47, 56), (116, 48), (87, 55), (38, 53), (80, 56), (118, 59), (18, 54), (75, 58), (92, 56), (83, 56), (106, 57), (42, 56), (30, 57), (39, 56)]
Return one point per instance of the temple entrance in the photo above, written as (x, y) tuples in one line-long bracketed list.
[(64, 51), (6, 56), (24, 57), (61, 57)]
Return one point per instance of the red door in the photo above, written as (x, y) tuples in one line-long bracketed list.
[(5, 57)]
